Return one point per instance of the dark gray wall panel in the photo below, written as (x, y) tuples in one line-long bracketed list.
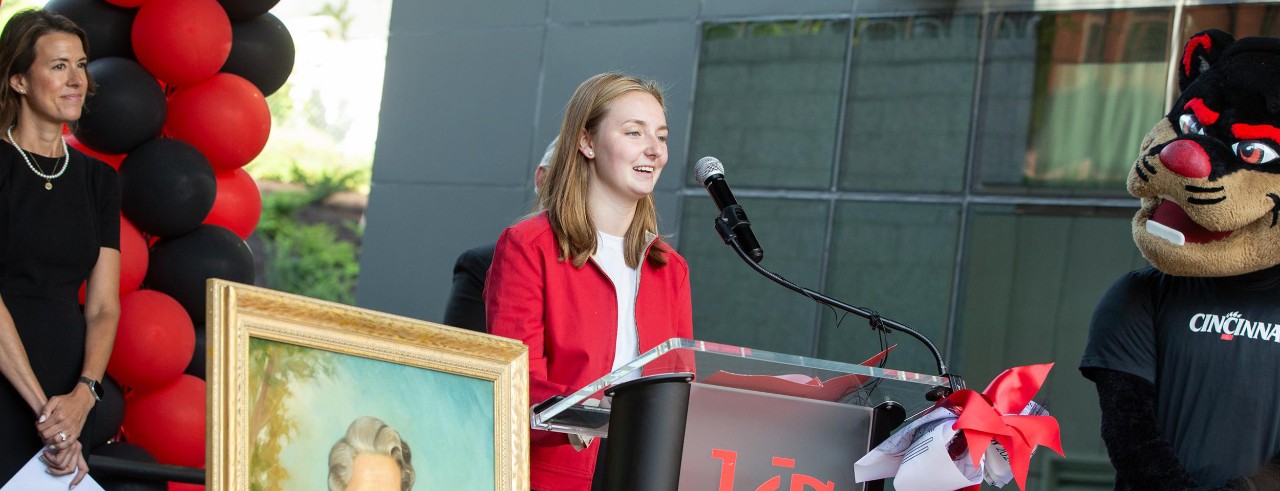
[(668, 204), (750, 8), (413, 235), (414, 15), (568, 11), (660, 51), (448, 116)]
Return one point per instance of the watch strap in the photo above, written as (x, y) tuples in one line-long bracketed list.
[(95, 387)]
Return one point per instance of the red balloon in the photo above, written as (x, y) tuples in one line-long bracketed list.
[(111, 159), (238, 205), (133, 257), (154, 341), (182, 42), (179, 486), (169, 422), (225, 117)]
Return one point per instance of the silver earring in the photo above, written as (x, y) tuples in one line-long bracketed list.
[(591, 155)]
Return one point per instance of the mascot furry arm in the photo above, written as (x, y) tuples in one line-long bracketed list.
[(1208, 176)]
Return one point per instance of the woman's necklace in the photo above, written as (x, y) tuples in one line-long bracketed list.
[(48, 178)]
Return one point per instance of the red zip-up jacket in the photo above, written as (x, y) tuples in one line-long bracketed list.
[(568, 318)]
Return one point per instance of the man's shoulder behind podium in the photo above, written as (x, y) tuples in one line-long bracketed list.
[(465, 308)]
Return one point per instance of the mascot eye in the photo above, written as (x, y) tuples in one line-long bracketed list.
[(1255, 152), (1189, 124)]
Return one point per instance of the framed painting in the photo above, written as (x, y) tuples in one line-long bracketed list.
[(308, 394)]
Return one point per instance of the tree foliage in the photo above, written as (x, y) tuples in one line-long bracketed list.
[(274, 369)]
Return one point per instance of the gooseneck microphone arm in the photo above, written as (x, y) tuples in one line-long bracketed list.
[(726, 227)]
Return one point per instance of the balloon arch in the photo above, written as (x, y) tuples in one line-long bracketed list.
[(180, 109)]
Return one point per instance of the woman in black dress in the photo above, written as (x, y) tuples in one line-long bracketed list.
[(59, 226)]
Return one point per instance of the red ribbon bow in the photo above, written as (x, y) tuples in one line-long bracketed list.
[(994, 415)]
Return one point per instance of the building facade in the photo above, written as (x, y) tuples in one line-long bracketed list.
[(956, 166)]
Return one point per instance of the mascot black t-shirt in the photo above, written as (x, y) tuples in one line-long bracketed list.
[(1211, 346)]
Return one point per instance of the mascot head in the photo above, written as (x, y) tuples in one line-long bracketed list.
[(1208, 174)]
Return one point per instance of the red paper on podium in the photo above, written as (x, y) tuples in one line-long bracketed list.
[(797, 385)]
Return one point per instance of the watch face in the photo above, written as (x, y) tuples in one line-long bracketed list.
[(93, 386)]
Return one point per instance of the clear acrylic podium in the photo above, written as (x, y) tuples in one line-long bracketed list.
[(695, 415)]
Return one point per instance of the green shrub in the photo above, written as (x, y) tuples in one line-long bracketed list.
[(324, 183), (308, 260)]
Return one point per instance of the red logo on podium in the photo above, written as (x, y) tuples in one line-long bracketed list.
[(799, 482)]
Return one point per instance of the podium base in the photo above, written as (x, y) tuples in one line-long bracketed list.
[(646, 433)]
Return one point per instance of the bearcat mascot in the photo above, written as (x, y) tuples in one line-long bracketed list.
[(1186, 356)]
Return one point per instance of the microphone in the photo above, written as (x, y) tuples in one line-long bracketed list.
[(733, 220)]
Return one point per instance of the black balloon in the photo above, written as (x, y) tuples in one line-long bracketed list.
[(262, 52), (167, 187), (107, 415), (197, 366), (244, 9), (110, 28), (125, 451), (180, 266), (127, 110)]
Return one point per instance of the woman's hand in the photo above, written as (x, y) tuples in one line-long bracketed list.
[(66, 461), (62, 418)]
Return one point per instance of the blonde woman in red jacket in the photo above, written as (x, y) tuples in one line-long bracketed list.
[(587, 283)]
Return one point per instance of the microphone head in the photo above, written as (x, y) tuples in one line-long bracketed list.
[(706, 167)]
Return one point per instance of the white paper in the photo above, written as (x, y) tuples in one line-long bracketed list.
[(916, 457), (35, 477), (883, 461), (998, 471), (928, 467)]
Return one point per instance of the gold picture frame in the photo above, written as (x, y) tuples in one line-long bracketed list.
[(432, 381)]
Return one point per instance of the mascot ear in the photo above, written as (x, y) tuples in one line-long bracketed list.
[(1201, 52)]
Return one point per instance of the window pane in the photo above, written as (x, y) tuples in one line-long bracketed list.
[(731, 302), (895, 258), (767, 99), (910, 102), (1239, 20), (1067, 98), (1031, 278)]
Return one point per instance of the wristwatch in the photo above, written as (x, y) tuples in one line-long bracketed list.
[(95, 387)]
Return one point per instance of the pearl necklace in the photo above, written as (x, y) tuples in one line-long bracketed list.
[(48, 178)]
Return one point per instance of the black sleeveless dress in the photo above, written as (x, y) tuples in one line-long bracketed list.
[(49, 243)]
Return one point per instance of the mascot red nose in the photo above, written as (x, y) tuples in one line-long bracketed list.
[(1184, 353)]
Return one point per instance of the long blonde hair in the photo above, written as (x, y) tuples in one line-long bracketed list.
[(565, 195)]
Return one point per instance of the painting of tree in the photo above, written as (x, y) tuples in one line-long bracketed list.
[(273, 369)]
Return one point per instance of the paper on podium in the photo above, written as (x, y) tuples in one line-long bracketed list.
[(919, 459), (797, 385), (34, 477)]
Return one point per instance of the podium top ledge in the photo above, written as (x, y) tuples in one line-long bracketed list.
[(744, 369)]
